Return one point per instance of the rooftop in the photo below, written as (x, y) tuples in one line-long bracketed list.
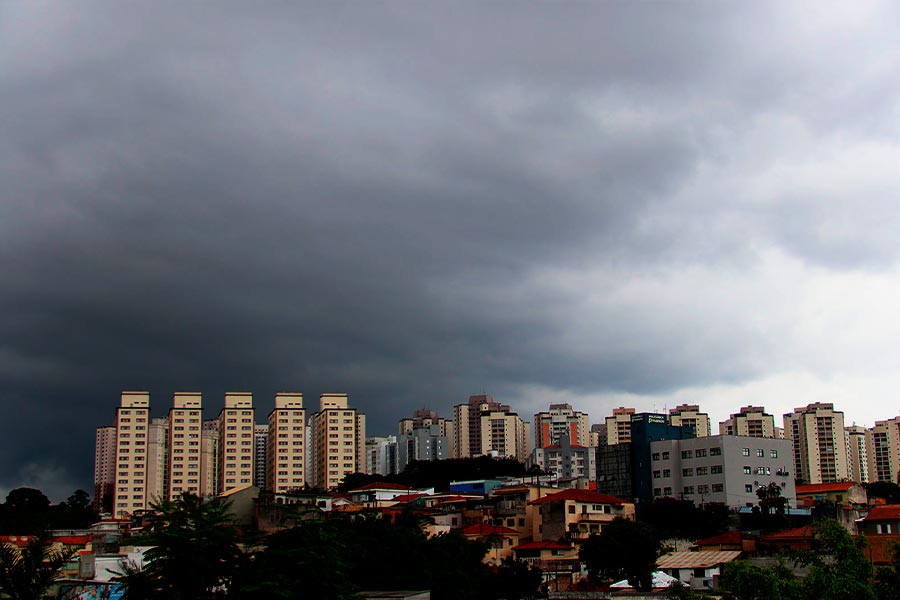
[(579, 496), (885, 512), (696, 560)]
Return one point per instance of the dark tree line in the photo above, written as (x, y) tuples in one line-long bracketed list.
[(28, 511), (197, 555), (439, 473)]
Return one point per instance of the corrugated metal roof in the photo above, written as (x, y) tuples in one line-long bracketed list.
[(696, 560)]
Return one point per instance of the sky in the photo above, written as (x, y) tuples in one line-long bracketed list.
[(607, 204)]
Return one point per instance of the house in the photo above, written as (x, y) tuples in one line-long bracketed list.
[(378, 494), (502, 540), (730, 540), (575, 514), (700, 570), (798, 538), (556, 561), (882, 530), (844, 493)]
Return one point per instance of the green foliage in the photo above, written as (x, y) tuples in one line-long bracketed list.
[(623, 550), (743, 581), (28, 511), (513, 580), (673, 518), (679, 591), (887, 578), (770, 498), (335, 558), (26, 573), (439, 473), (888, 490), (194, 550), (845, 573)]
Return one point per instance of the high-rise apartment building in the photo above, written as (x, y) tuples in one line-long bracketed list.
[(260, 442), (209, 457), (185, 421), (857, 457), (558, 422), (421, 444), (236, 447), (157, 459), (751, 421), (618, 426), (689, 415), (425, 419), (286, 452), (339, 441), (104, 468), (381, 455), (598, 435), (883, 449), (132, 418), (485, 427), (820, 451)]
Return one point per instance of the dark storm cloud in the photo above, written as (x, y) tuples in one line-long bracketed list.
[(363, 198)]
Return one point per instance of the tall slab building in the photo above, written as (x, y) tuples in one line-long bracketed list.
[(751, 421), (883, 450), (236, 448), (184, 464), (690, 415), (561, 420), (820, 451), (339, 441), (105, 468), (483, 426), (132, 418), (286, 448)]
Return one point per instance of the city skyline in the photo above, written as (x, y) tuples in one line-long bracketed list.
[(604, 205)]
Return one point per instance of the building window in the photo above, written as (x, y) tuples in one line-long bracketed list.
[(748, 488), (657, 491), (748, 470), (715, 452), (715, 470), (760, 453), (688, 490), (718, 487), (667, 491), (773, 453), (656, 474), (686, 454), (667, 473), (655, 456), (687, 472), (665, 456), (745, 451), (702, 471), (700, 453)]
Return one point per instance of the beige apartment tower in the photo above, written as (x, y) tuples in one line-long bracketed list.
[(157, 458), (690, 415), (751, 421), (820, 451), (132, 418), (483, 426), (185, 463), (561, 420), (883, 449), (424, 419), (236, 449), (339, 441), (857, 455), (286, 444), (105, 468), (618, 426)]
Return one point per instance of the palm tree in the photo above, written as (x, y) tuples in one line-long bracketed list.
[(26, 573)]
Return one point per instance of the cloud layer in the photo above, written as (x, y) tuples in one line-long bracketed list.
[(412, 203)]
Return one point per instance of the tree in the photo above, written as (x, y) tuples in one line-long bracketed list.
[(78, 500), (26, 573), (624, 549), (194, 549), (27, 499), (838, 569), (887, 578), (884, 489), (512, 580), (770, 498), (743, 581)]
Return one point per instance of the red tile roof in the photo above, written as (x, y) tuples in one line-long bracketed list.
[(379, 485), (487, 529), (797, 533), (542, 546), (504, 491), (729, 537), (407, 497), (824, 488), (579, 496), (885, 512)]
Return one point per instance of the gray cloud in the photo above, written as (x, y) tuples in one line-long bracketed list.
[(414, 203)]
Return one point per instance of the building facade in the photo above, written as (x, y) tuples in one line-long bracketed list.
[(287, 447), (381, 455), (184, 460), (751, 421), (132, 419), (157, 459), (883, 449), (724, 468), (426, 419), (483, 427), (820, 451), (339, 434), (421, 444), (857, 455), (559, 421), (104, 468), (566, 460), (690, 415), (236, 442), (260, 444), (618, 426)]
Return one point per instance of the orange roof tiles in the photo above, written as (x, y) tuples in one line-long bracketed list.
[(885, 512), (579, 496)]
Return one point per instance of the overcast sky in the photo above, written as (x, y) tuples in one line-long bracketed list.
[(600, 203)]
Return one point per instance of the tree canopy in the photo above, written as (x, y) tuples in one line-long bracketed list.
[(26, 573), (623, 550)]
